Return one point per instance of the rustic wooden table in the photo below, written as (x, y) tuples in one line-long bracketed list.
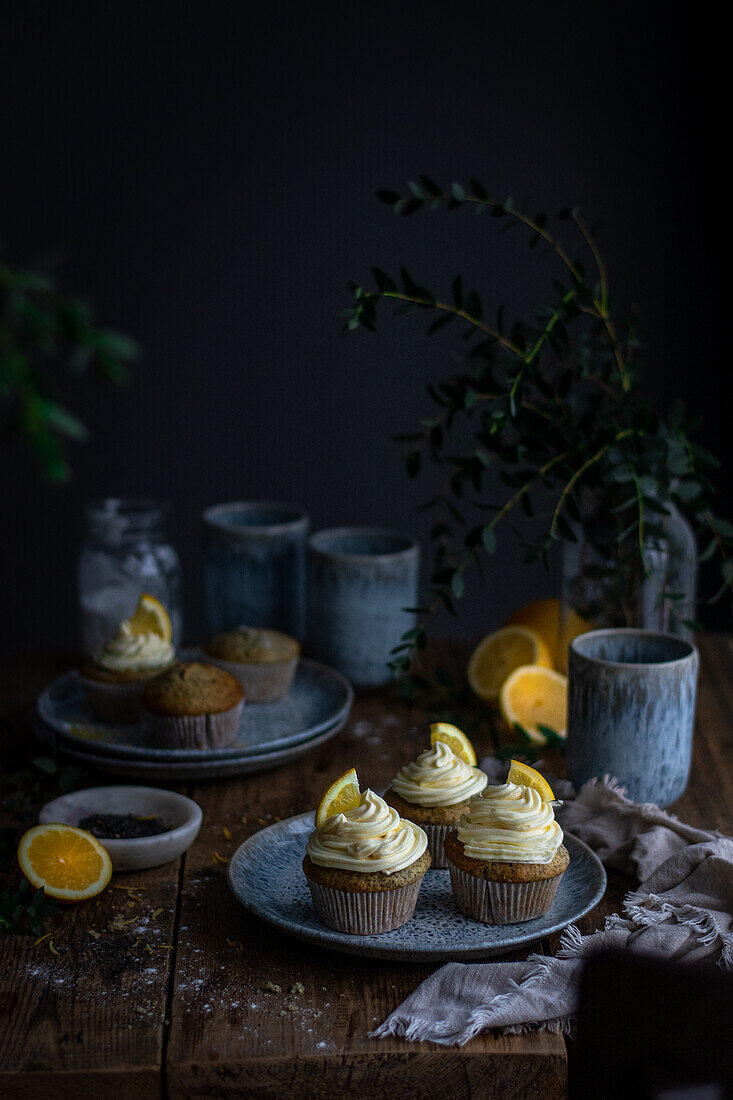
[(166, 986)]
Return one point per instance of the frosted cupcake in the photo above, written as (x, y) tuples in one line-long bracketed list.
[(115, 677), (264, 661), (364, 867), (433, 791), (506, 857)]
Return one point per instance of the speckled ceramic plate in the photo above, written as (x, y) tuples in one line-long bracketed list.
[(266, 875), (319, 699), (179, 771)]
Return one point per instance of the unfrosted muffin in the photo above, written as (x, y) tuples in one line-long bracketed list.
[(433, 791), (506, 857), (193, 706), (264, 661), (115, 677), (364, 868)]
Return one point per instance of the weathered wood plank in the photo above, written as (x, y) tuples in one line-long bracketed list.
[(89, 1019)]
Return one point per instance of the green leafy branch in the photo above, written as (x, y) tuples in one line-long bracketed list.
[(557, 419), (38, 328)]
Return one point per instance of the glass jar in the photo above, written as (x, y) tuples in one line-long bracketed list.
[(125, 553), (617, 592)]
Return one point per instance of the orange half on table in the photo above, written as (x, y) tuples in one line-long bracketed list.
[(499, 654), (534, 696), (69, 863), (557, 625)]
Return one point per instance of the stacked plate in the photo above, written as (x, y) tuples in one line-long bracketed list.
[(315, 708)]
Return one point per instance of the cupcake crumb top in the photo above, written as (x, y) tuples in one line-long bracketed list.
[(250, 645), (192, 688)]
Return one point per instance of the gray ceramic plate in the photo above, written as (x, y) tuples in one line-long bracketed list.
[(319, 698), (265, 874), (179, 770)]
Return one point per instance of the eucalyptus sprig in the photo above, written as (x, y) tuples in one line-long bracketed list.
[(39, 327), (552, 404)]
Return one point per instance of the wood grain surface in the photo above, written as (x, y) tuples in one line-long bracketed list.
[(168, 987)]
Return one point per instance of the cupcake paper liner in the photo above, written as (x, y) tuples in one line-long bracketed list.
[(436, 834), (501, 902), (114, 702), (200, 731), (364, 914), (263, 683)]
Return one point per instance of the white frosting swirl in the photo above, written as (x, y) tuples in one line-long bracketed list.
[(371, 837), (438, 778), (126, 651), (510, 824)]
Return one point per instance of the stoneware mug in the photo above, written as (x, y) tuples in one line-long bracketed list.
[(631, 709), (254, 566), (360, 580)]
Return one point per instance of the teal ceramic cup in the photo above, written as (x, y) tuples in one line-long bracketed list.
[(254, 566), (360, 580), (631, 711)]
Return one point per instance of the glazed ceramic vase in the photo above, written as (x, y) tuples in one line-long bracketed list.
[(254, 566), (360, 581)]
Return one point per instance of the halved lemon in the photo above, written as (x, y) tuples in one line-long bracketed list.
[(557, 625), (524, 776), (455, 739), (535, 696), (150, 617), (342, 795), (69, 863), (498, 654)]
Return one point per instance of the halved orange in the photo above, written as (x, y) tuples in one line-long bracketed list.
[(150, 617), (556, 624), (455, 739), (498, 654), (69, 863), (524, 776), (342, 795), (535, 696)]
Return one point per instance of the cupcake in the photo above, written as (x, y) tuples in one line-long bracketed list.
[(115, 677), (193, 706), (506, 857), (433, 791), (364, 867), (264, 661)]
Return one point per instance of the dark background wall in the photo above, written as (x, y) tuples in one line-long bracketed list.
[(207, 179)]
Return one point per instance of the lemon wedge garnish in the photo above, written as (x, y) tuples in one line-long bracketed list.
[(150, 617), (342, 795), (524, 776), (535, 696), (455, 739)]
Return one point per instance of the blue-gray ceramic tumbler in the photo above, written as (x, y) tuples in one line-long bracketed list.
[(254, 566), (631, 710), (360, 580)]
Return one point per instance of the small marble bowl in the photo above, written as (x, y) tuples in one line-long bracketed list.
[(141, 852)]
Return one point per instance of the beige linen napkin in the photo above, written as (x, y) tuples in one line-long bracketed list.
[(683, 909)]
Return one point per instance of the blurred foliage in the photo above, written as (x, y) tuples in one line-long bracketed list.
[(40, 330), (23, 909)]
